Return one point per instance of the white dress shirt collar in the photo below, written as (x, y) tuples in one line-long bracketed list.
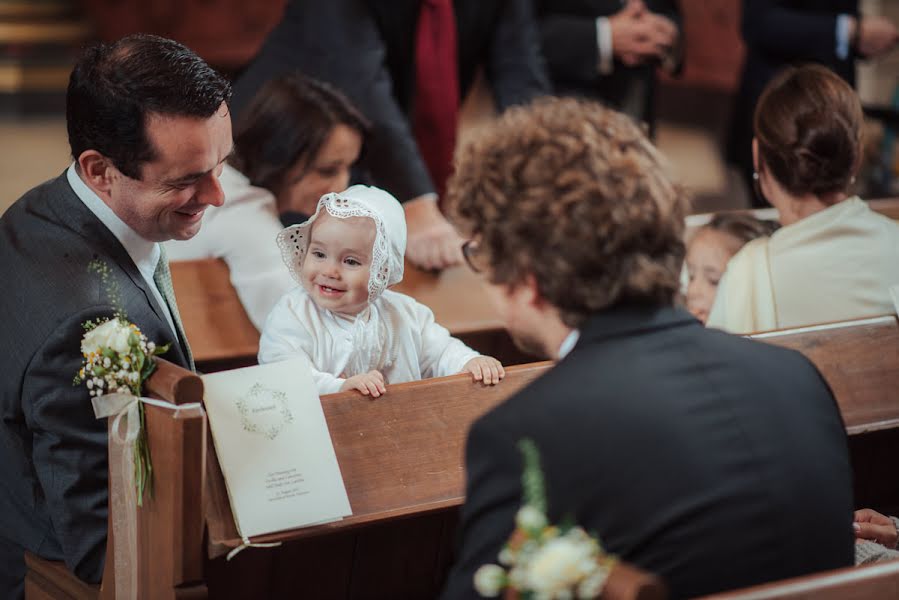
[(568, 343), (143, 252)]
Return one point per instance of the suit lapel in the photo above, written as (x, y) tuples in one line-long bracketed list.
[(72, 212)]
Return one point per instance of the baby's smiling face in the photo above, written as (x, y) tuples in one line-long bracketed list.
[(337, 266)]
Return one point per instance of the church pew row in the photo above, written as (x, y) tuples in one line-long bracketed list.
[(860, 361), (401, 459), (871, 582), (222, 337)]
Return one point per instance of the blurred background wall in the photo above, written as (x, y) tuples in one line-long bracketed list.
[(40, 38)]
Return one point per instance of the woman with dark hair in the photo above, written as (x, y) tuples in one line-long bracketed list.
[(296, 141), (833, 258)]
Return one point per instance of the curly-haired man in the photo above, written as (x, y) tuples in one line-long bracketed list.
[(712, 460)]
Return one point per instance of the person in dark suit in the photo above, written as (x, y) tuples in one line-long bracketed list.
[(609, 50), (711, 460), (778, 33), (149, 130), (375, 52)]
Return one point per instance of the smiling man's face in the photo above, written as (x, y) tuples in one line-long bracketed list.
[(181, 182)]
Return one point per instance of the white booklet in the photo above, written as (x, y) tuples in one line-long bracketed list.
[(274, 448)]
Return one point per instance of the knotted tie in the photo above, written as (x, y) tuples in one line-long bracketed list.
[(436, 109), (163, 279)]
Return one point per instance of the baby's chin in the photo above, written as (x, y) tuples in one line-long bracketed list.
[(336, 308)]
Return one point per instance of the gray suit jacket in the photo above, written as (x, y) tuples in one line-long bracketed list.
[(52, 450)]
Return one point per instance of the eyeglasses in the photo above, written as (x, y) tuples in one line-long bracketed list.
[(474, 258)]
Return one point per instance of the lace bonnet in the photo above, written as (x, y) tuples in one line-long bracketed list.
[(357, 201)]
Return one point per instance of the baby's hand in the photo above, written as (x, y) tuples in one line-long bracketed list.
[(486, 369), (367, 383)]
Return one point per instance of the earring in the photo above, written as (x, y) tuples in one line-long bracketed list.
[(757, 188)]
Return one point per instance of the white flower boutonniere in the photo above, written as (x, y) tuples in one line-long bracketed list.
[(543, 561), (118, 359)]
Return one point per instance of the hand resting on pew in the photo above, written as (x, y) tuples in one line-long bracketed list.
[(876, 536), (482, 368), (871, 525), (486, 369)]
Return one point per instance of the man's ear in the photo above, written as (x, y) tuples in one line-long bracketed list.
[(96, 170), (527, 292)]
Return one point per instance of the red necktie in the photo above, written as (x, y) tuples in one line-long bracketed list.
[(436, 111)]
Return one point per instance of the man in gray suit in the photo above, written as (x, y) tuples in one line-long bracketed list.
[(149, 129)]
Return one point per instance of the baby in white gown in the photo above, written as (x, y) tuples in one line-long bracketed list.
[(357, 333)]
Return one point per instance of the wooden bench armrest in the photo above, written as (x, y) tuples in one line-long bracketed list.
[(52, 579)]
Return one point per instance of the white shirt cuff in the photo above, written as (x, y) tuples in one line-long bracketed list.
[(604, 45), (842, 48)]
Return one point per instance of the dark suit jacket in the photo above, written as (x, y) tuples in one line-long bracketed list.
[(709, 459), (778, 33), (366, 49), (568, 35), (52, 449)]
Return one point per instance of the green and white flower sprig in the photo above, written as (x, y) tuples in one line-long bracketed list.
[(542, 561), (117, 358)]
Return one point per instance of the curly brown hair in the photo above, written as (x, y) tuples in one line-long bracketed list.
[(575, 195)]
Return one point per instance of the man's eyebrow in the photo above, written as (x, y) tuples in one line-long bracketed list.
[(195, 176)]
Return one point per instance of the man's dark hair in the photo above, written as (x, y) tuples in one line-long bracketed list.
[(115, 87)]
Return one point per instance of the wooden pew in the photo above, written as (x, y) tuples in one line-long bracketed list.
[(363, 431), (170, 524), (223, 337), (860, 361), (401, 459), (871, 582), (401, 482)]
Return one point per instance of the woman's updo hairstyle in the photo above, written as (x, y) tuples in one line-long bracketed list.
[(808, 124)]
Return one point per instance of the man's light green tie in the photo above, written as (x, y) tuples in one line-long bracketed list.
[(163, 279)]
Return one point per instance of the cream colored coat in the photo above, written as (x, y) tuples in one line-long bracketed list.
[(835, 265)]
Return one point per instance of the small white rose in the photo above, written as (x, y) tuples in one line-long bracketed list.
[(558, 567), (489, 580), (111, 334), (119, 341), (530, 518), (506, 556), (591, 586)]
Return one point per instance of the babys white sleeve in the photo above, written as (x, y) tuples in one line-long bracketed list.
[(441, 354), (285, 335)]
